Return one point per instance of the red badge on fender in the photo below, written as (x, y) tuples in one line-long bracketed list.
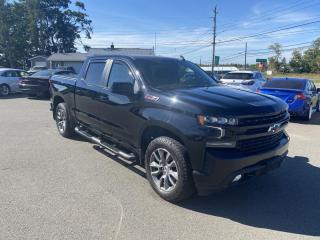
[(151, 98)]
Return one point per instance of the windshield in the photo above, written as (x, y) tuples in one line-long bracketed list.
[(285, 84), (173, 74), (241, 76), (44, 73)]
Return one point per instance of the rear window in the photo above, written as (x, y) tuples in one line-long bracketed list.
[(286, 84), (44, 73), (241, 76)]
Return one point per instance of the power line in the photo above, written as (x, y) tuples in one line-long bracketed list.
[(268, 32)]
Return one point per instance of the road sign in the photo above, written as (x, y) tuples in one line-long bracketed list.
[(261, 60), (216, 60)]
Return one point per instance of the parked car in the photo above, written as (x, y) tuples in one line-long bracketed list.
[(38, 84), (250, 80), (9, 80), (301, 95), (35, 69), (220, 71), (213, 75), (168, 115)]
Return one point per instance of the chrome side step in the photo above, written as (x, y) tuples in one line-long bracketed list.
[(114, 151)]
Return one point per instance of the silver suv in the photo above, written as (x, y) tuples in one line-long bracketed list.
[(250, 80)]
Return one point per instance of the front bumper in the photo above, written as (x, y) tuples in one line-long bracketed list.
[(298, 108), (222, 167)]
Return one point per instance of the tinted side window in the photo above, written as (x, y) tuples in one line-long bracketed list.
[(120, 72), (313, 86), (95, 73), (308, 86), (22, 74), (11, 74)]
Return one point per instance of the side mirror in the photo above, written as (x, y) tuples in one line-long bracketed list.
[(123, 88)]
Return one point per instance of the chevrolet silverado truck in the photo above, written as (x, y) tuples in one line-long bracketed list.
[(190, 133)]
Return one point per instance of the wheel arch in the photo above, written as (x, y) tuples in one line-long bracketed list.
[(56, 101), (151, 132)]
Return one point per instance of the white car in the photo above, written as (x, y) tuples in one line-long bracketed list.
[(250, 80), (9, 80)]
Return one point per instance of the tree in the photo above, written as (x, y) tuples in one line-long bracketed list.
[(312, 57), (41, 27), (297, 62), (13, 44), (275, 60)]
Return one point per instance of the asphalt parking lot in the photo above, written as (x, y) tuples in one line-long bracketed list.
[(55, 188)]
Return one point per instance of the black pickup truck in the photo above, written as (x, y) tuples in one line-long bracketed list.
[(168, 115)]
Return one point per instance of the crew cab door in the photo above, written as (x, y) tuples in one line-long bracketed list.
[(120, 111), (90, 94)]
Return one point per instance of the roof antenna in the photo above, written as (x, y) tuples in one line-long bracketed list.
[(182, 58)]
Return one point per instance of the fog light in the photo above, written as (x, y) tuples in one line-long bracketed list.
[(237, 178)]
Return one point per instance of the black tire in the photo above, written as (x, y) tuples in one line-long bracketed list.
[(318, 106), (63, 121), (5, 90), (184, 186)]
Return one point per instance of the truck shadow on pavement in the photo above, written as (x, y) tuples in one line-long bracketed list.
[(286, 200), (13, 96), (315, 120)]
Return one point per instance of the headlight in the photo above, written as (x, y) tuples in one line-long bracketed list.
[(208, 120)]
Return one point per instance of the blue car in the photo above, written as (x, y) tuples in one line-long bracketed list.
[(301, 95)]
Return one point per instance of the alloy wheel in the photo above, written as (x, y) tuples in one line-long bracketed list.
[(61, 120), (163, 169)]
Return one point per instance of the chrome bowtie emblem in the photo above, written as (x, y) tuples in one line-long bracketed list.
[(274, 128)]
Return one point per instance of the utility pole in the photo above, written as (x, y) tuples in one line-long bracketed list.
[(155, 43), (245, 57), (214, 38)]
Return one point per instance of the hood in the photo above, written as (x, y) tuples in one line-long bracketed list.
[(227, 101)]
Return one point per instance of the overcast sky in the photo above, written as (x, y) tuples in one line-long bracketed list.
[(184, 27)]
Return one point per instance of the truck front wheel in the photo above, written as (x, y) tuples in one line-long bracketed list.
[(63, 120), (168, 170)]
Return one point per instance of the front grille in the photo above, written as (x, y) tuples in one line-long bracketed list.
[(260, 144), (257, 130), (262, 120)]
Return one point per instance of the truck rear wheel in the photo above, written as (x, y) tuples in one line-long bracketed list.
[(62, 118), (168, 170)]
